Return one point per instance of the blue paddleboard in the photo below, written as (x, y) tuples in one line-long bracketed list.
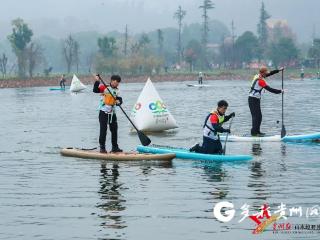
[(57, 89), (186, 154)]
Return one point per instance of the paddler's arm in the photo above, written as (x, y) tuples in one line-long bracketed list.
[(272, 90), (96, 87), (264, 85), (119, 101), (227, 118), (216, 126), (220, 129), (274, 72)]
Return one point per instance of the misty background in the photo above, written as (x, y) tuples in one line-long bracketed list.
[(52, 21), (56, 18)]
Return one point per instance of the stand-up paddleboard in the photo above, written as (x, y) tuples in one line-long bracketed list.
[(276, 138), (198, 85), (76, 85), (186, 154), (125, 156), (57, 89)]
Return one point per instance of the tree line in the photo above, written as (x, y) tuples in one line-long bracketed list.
[(193, 47)]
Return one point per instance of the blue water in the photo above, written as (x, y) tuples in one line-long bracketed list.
[(46, 196)]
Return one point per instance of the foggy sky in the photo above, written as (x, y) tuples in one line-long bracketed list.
[(60, 17)]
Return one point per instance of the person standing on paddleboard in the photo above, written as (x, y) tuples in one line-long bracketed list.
[(211, 129), (200, 78), (258, 84), (62, 82), (107, 114)]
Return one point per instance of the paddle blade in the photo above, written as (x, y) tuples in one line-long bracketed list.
[(145, 141), (283, 131)]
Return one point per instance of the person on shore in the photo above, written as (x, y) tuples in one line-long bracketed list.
[(62, 82), (107, 113), (258, 84), (211, 129), (200, 78)]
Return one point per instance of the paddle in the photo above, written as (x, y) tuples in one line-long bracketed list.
[(145, 141), (225, 143), (283, 129)]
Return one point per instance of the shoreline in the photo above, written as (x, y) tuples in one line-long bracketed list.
[(54, 81)]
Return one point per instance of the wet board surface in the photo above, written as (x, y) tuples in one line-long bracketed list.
[(125, 156), (276, 138), (186, 154), (198, 85)]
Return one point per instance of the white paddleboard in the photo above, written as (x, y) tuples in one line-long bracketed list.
[(276, 138), (198, 85)]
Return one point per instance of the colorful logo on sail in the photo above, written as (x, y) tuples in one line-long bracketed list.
[(158, 107), (136, 107)]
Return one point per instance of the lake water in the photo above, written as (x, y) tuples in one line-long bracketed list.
[(46, 196)]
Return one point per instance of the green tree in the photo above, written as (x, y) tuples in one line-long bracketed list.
[(263, 31), (126, 39), (19, 39), (206, 6), (160, 42), (179, 15), (3, 64), (108, 57), (107, 46), (314, 52), (246, 47), (283, 52), (193, 53)]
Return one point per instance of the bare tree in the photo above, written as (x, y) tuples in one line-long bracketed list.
[(207, 5), (77, 55), (126, 37), (34, 55), (179, 15), (70, 50), (3, 64), (160, 42)]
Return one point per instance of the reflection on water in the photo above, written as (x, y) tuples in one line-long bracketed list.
[(112, 203)]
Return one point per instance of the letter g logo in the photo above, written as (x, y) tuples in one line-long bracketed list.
[(228, 214)]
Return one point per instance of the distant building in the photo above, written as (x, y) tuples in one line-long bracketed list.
[(279, 28)]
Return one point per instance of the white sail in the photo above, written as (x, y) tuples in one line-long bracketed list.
[(150, 113), (76, 85)]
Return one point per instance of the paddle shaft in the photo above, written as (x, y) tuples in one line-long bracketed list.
[(283, 129), (225, 143)]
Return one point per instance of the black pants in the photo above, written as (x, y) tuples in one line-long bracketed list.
[(210, 146), (105, 120), (200, 80), (255, 109), (62, 84)]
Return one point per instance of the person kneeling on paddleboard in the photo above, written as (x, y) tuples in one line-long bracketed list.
[(211, 129), (107, 114), (258, 84)]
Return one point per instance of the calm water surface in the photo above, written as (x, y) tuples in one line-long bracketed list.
[(46, 196)]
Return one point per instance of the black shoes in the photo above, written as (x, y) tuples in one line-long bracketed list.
[(116, 150), (194, 148), (258, 135)]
